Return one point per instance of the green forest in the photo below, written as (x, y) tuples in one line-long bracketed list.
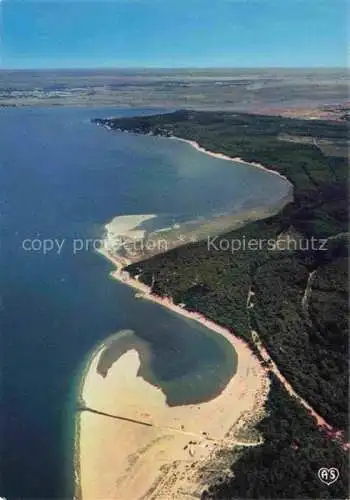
[(286, 465), (300, 302)]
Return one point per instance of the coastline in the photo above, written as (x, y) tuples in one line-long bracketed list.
[(243, 351), (221, 156), (123, 276), (163, 457), (213, 154), (77, 424)]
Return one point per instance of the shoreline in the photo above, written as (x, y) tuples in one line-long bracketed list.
[(222, 156), (166, 459), (124, 277), (80, 401), (213, 154), (242, 349)]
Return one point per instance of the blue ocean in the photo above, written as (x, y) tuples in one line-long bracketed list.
[(62, 178)]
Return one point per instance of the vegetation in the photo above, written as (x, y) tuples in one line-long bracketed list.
[(286, 466), (300, 302)]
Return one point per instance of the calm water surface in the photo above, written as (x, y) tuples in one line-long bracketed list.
[(62, 178)]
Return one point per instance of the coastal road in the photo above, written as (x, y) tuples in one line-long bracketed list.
[(274, 369)]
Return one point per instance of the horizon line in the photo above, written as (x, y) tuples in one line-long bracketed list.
[(173, 68)]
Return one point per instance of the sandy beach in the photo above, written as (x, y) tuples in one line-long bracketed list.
[(138, 447), (221, 156), (164, 455), (123, 224), (128, 460), (123, 229)]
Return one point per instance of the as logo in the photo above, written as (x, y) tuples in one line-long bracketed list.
[(328, 476)]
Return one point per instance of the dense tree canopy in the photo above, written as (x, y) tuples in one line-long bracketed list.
[(300, 306)]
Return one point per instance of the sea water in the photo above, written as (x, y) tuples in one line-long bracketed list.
[(63, 178)]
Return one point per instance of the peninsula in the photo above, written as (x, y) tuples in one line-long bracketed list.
[(289, 305)]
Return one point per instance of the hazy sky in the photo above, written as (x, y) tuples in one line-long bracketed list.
[(172, 33)]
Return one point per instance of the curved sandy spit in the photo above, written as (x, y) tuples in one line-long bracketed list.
[(122, 460), (164, 459), (170, 459)]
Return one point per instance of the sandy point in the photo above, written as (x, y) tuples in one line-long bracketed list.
[(140, 448)]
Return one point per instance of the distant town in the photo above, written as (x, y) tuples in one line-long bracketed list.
[(267, 91)]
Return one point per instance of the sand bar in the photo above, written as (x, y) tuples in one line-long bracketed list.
[(124, 460), (161, 454), (125, 228), (122, 224)]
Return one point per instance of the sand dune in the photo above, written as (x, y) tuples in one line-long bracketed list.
[(128, 461)]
